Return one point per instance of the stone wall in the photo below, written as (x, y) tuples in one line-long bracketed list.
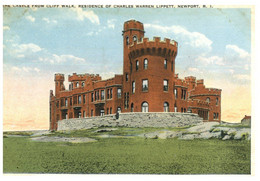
[(132, 120)]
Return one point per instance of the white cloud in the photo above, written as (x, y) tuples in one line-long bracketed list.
[(240, 52), (21, 49), (62, 58), (47, 20), (211, 60), (6, 28), (25, 69), (30, 18), (90, 33), (231, 71), (111, 23), (194, 70), (194, 39), (242, 76), (90, 15)]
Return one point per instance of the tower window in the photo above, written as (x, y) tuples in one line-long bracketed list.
[(145, 85), (79, 101), (216, 101), (165, 63), (165, 85), (137, 65), (145, 63), (133, 87), (132, 107), (145, 107), (102, 94), (82, 84), (119, 93), (108, 93), (208, 100), (176, 93), (126, 77), (77, 84), (135, 38), (166, 107), (127, 40)]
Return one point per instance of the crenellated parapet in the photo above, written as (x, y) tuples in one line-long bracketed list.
[(59, 77), (83, 77), (156, 47)]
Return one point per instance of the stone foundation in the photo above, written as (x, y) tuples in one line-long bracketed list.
[(171, 119)]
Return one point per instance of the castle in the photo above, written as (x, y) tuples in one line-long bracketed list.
[(148, 84)]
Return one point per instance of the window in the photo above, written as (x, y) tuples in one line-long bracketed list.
[(84, 99), (165, 85), (92, 97), (119, 92), (137, 65), (172, 66), (71, 101), (79, 99), (135, 38), (126, 100), (119, 109), (79, 114), (145, 63), (102, 112), (175, 109), (208, 100), (107, 110), (184, 94), (181, 109), (126, 77), (216, 101), (82, 84), (133, 87), (57, 104), (111, 93), (176, 93), (102, 94), (108, 93), (111, 110), (145, 107), (165, 63), (97, 95), (66, 102), (77, 84), (184, 110), (132, 107), (166, 107), (71, 86), (127, 40), (145, 85), (131, 67), (91, 113)]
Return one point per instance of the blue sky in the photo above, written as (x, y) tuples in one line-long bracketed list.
[(214, 44)]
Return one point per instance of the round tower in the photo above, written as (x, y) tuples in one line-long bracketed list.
[(59, 83)]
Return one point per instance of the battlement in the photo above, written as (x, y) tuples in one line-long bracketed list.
[(157, 47), (59, 77), (133, 25), (180, 82), (214, 91), (83, 77), (201, 81), (190, 79)]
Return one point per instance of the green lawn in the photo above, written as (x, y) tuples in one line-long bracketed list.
[(127, 155)]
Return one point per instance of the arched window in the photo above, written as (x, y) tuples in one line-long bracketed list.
[(145, 107), (166, 107), (132, 107), (216, 101), (135, 38), (82, 84), (77, 84), (208, 100), (165, 63), (127, 40), (133, 87), (145, 63), (137, 65)]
